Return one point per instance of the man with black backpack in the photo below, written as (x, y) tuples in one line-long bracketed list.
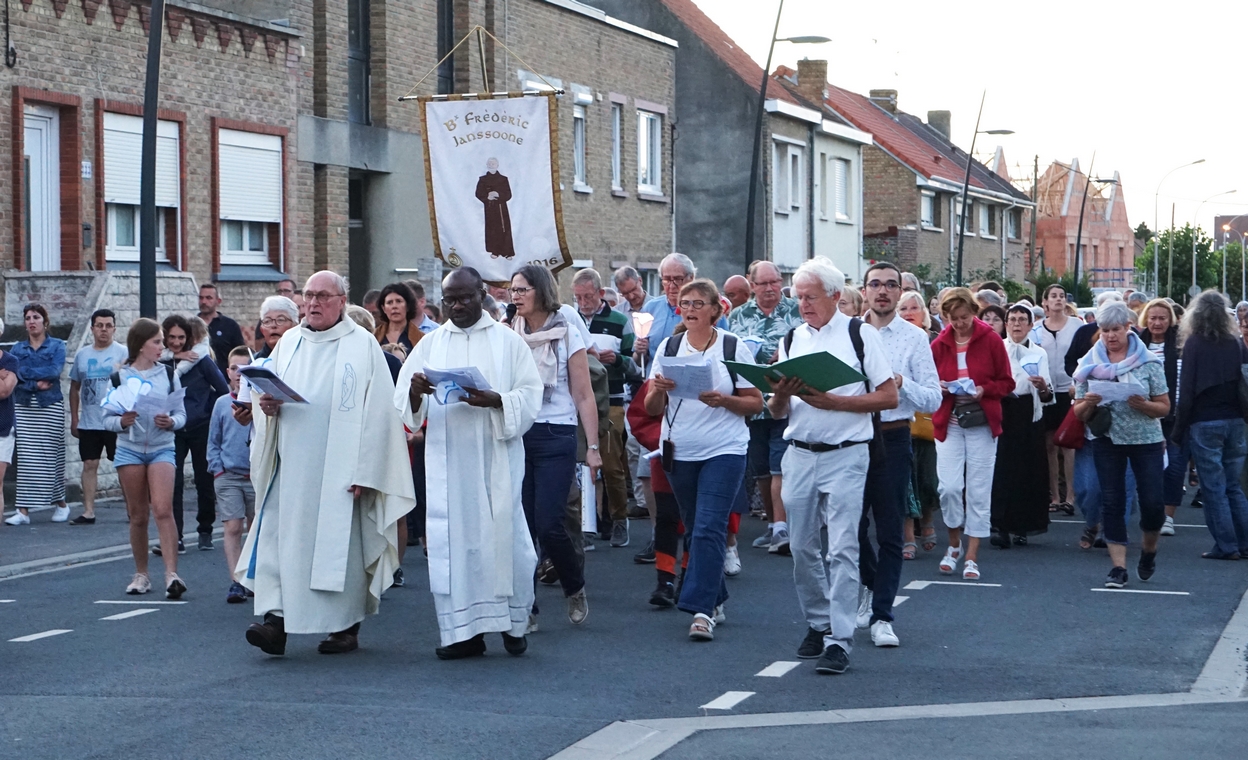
[(832, 438)]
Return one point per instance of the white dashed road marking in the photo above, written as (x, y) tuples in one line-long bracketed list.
[(7, 601), (897, 600), (144, 602), (1142, 591), (728, 700), (920, 585), (130, 614), (777, 669), (44, 635)]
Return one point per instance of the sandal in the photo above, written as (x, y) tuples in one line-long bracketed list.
[(950, 561), (1066, 508), (970, 572), (929, 538), (1088, 539), (1054, 507), (702, 628), (909, 550)]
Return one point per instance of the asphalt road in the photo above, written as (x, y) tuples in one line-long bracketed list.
[(181, 681)]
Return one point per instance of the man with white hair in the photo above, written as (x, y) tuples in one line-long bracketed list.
[(675, 271), (1135, 301), (825, 469), (333, 478), (633, 295)]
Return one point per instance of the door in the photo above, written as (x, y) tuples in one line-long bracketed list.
[(42, 202)]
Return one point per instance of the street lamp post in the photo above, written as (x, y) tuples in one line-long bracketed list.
[(758, 129), (148, 227), (966, 182), (1194, 290), (1156, 222)]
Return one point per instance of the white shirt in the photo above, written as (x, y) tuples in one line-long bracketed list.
[(811, 425), (910, 353), (561, 408), (698, 431), (1056, 345)]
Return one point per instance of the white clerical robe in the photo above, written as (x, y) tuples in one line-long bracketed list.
[(315, 554), (481, 557)]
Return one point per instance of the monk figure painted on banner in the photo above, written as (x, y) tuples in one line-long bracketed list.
[(494, 191)]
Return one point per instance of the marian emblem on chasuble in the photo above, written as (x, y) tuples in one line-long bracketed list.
[(348, 389)]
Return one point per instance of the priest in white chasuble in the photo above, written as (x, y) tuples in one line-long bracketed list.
[(481, 557), (332, 480)]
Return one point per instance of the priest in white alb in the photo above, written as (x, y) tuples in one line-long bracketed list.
[(332, 480), (481, 557)]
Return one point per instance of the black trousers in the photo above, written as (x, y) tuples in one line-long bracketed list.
[(885, 501), (416, 518), (196, 442)]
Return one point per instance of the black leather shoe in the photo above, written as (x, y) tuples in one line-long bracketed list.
[(664, 595), (270, 636), (515, 645), (341, 642), (1000, 540), (474, 647)]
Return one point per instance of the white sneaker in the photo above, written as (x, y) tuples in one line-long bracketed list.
[(732, 562), (717, 615), (1168, 528), (61, 514), (763, 541), (882, 634), (864, 607), (18, 519)]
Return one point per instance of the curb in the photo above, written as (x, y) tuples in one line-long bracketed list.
[(66, 561)]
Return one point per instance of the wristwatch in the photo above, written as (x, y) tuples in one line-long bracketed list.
[(593, 447)]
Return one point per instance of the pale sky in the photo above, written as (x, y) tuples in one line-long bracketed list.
[(1146, 86)]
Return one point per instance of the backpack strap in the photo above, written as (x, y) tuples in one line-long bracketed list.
[(855, 337), (673, 345), (115, 378), (788, 342), (730, 353)]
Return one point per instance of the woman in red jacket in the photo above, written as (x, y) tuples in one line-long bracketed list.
[(974, 371)]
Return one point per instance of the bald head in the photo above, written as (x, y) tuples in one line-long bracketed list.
[(325, 297), (737, 290)]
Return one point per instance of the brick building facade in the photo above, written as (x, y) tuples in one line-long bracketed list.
[(1106, 239)]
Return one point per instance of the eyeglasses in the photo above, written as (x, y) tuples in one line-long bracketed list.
[(519, 291), (321, 297), (891, 286), (694, 305), (681, 280), (460, 300), (768, 283), (275, 321)]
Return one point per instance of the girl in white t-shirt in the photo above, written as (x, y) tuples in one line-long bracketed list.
[(703, 444), (550, 445)]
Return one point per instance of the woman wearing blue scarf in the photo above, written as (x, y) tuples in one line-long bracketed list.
[(1133, 435)]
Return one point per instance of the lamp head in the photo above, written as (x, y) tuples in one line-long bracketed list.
[(809, 39)]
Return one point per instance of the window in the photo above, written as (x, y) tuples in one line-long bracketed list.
[(578, 148), (358, 53), (987, 220), (1014, 223), (795, 179), (780, 177), (123, 147), (957, 210), (250, 183), (823, 185), (842, 190), (927, 209), (617, 146), (649, 153)]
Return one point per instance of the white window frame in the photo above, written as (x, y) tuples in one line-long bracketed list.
[(796, 196), (780, 177), (823, 186), (579, 182), (1014, 223), (246, 232), (115, 252), (986, 215), (927, 209), (617, 146), (844, 190), (957, 216), (234, 145), (649, 152)]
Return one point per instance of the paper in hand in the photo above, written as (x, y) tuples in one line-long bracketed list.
[(692, 374), (962, 387), (1113, 391), (266, 381), (450, 384), (605, 343)]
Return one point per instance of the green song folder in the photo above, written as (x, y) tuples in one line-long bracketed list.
[(821, 371)]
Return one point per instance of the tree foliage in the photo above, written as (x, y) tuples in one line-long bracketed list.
[(1173, 250)]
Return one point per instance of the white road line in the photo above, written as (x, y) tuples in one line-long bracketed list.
[(130, 614), (128, 601), (44, 635), (897, 600), (920, 585), (1142, 591), (728, 700), (1081, 522), (777, 669), (1226, 671), (7, 601)]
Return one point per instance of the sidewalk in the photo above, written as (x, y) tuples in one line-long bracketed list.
[(43, 543)]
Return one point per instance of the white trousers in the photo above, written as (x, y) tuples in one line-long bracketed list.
[(965, 460), (826, 490)]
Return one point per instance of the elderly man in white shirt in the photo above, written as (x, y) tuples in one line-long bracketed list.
[(825, 468), (918, 388)]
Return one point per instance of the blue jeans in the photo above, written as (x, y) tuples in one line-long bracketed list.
[(706, 492), (886, 501), (1176, 471), (1088, 494), (1219, 448), (1111, 469), (549, 467)]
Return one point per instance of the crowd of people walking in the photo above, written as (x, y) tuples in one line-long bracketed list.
[(471, 432)]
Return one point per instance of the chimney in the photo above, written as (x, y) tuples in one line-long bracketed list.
[(812, 80), (939, 121), (886, 99)]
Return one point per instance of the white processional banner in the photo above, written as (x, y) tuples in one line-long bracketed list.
[(492, 169)]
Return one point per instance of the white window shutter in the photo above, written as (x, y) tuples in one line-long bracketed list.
[(250, 167), (123, 156), (842, 188)]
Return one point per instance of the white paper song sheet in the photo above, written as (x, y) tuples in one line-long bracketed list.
[(152, 404), (266, 381), (605, 342), (449, 384), (692, 375), (1111, 391)]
